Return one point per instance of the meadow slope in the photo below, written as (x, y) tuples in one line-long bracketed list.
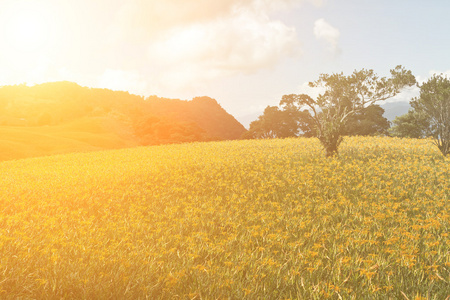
[(82, 135), (261, 219)]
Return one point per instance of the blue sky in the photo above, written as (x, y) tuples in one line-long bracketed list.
[(244, 53), (372, 34)]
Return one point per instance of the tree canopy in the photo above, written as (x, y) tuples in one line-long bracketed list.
[(276, 122), (345, 96), (410, 125), (430, 114), (367, 121), (346, 107)]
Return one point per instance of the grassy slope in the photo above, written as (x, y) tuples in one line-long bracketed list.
[(87, 134), (231, 220)]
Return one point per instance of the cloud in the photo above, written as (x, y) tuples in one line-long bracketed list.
[(404, 96), (328, 33), (318, 3), (414, 91), (169, 44), (243, 41), (148, 18), (122, 81)]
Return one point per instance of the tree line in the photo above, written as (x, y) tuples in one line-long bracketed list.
[(348, 106)]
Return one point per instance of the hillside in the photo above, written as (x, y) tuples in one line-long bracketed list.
[(62, 117), (81, 135)]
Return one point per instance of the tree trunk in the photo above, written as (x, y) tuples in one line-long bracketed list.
[(331, 144)]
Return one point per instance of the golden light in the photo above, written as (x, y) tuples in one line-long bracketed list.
[(27, 30)]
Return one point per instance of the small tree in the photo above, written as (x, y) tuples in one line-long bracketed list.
[(433, 105), (411, 125), (273, 123), (368, 121), (345, 96)]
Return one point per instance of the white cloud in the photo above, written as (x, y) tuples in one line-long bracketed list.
[(170, 43), (244, 41), (122, 81), (414, 91), (404, 96), (328, 33), (147, 18), (318, 3)]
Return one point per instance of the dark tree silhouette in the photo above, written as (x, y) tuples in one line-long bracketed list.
[(368, 121)]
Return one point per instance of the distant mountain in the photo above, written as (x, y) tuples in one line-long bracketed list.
[(61, 117), (247, 119), (395, 109)]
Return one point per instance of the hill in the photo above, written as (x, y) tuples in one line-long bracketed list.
[(81, 135), (61, 117)]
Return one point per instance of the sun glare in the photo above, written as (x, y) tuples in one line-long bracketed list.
[(27, 30)]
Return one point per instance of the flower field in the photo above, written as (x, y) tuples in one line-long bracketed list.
[(261, 219)]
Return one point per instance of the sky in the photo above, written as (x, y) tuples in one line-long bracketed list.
[(246, 54)]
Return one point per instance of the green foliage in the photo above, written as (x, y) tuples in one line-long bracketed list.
[(430, 114), (434, 104), (411, 125), (268, 125), (346, 107), (346, 96), (276, 123), (290, 121), (303, 119), (368, 121)]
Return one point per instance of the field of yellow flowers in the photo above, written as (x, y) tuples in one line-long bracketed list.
[(263, 219)]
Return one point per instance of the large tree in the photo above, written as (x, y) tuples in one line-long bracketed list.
[(430, 114), (345, 96)]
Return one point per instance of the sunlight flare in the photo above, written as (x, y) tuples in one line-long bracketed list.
[(27, 27), (27, 31)]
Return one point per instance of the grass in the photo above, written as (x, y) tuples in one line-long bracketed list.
[(83, 135), (259, 219)]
